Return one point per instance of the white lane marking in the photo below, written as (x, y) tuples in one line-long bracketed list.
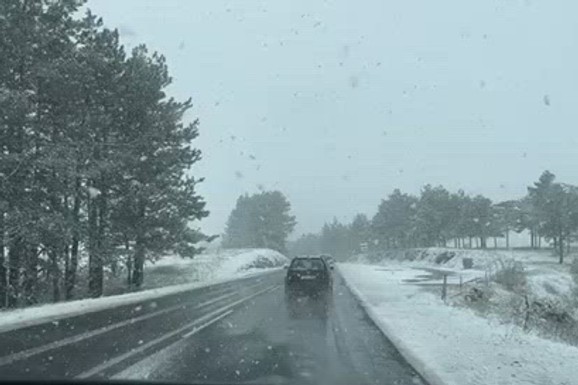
[(24, 354), (218, 314), (142, 369), (208, 323), (107, 364)]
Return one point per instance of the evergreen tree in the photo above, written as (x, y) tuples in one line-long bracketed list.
[(94, 156), (434, 216), (394, 222), (336, 240), (556, 207), (360, 232), (260, 220), (306, 244)]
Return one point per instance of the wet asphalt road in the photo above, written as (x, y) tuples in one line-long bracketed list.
[(261, 342), (234, 332)]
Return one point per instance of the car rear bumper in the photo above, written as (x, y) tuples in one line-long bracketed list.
[(306, 290)]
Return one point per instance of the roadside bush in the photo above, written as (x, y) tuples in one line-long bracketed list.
[(511, 275), (478, 298), (263, 263), (444, 257)]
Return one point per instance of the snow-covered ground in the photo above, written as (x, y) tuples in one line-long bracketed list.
[(545, 277), (218, 264), (169, 275), (452, 345)]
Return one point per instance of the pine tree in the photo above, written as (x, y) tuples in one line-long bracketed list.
[(35, 41), (394, 222), (260, 220), (360, 232), (434, 216), (556, 208), (79, 120)]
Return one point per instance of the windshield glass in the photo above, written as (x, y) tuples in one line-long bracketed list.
[(289, 192)]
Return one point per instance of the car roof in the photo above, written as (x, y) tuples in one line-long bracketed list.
[(308, 257)]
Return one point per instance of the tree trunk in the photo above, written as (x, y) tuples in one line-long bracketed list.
[(3, 270), (70, 279), (507, 239), (95, 266), (495, 243), (72, 268), (139, 250), (102, 226), (128, 263), (138, 267), (97, 222), (66, 268), (532, 238), (55, 275), (30, 280), (14, 262)]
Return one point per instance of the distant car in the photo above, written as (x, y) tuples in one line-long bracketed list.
[(308, 277)]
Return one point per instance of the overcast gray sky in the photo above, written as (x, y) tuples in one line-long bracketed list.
[(336, 103)]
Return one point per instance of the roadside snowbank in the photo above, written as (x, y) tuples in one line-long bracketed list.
[(453, 346), (452, 258), (174, 270), (546, 278), (205, 270)]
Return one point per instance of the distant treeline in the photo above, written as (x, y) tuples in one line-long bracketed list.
[(438, 217)]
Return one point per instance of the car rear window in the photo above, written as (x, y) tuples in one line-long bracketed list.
[(307, 264)]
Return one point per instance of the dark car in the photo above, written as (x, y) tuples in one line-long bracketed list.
[(308, 277)]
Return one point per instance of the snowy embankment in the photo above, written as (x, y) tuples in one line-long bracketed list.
[(545, 277), (174, 273), (225, 263), (450, 345)]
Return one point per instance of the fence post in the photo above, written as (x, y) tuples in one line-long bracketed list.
[(445, 288), (461, 283)]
